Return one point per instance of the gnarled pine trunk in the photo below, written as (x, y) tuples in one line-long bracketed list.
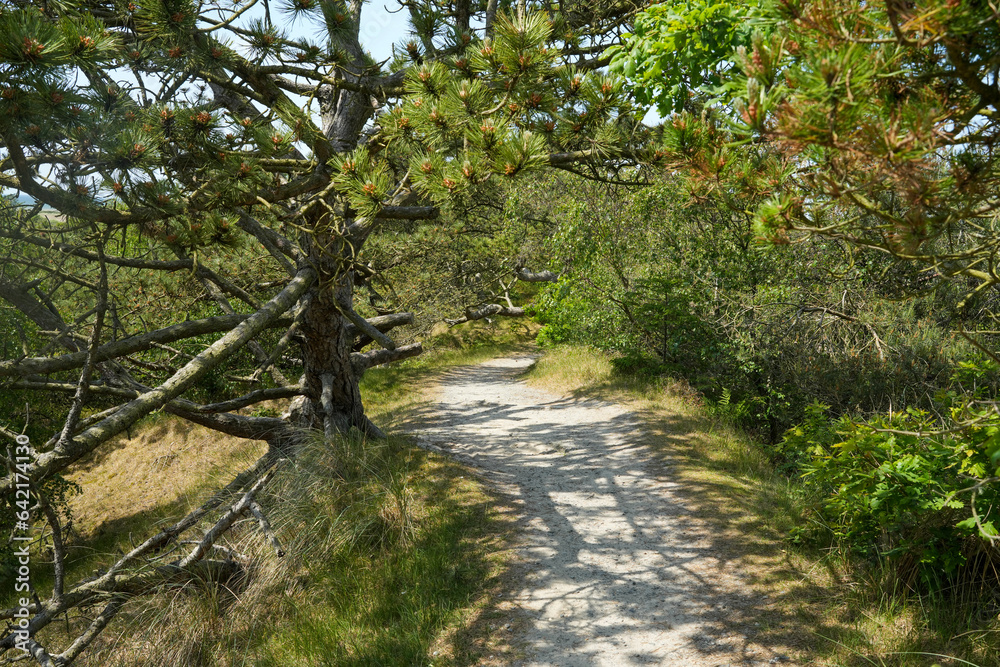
[(330, 378)]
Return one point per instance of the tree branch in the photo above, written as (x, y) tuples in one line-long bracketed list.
[(487, 311), (62, 455), (382, 323), (130, 345), (540, 277), (362, 361)]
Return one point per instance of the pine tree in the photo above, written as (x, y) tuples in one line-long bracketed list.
[(175, 138)]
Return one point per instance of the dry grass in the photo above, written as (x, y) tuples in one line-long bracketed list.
[(166, 461), (399, 602)]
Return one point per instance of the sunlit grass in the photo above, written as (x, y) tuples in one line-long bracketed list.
[(397, 556)]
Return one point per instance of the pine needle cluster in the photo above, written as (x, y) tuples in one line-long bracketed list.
[(497, 106)]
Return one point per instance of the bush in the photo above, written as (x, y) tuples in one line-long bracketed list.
[(900, 487)]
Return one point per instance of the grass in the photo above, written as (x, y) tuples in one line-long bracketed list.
[(394, 555), (824, 609), (140, 481), (388, 548)]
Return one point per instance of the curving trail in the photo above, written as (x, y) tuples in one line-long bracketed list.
[(620, 573)]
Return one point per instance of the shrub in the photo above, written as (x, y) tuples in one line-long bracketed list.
[(900, 487)]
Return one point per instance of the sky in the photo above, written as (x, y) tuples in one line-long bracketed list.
[(380, 27)]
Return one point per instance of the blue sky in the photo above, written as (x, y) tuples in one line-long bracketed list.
[(380, 28)]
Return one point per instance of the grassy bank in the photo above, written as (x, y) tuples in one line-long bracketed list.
[(828, 610), (394, 555)]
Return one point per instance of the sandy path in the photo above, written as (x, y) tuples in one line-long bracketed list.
[(619, 572)]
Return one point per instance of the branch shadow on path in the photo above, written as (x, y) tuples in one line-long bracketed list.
[(622, 566)]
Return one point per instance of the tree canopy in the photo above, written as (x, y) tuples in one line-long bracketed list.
[(870, 123)]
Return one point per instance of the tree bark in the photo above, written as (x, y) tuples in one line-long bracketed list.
[(326, 354), (331, 396), (66, 452), (540, 277)]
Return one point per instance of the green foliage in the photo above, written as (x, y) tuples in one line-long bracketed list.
[(566, 316), (36, 48), (365, 182), (871, 124), (57, 491), (684, 290), (848, 113), (895, 487), (679, 48), (19, 414), (467, 257), (457, 132)]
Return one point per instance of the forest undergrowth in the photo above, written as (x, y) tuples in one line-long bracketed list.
[(393, 553)]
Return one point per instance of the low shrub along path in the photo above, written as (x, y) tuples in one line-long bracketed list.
[(618, 571)]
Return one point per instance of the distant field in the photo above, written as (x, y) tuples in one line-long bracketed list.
[(26, 200)]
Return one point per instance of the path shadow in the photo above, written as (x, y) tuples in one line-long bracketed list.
[(630, 561)]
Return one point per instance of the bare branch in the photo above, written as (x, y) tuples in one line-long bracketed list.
[(361, 324), (540, 277), (265, 527), (409, 212), (224, 523), (83, 384), (92, 631), (365, 360), (125, 346), (491, 310), (382, 323)]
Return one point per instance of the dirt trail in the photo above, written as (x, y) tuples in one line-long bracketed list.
[(620, 573)]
